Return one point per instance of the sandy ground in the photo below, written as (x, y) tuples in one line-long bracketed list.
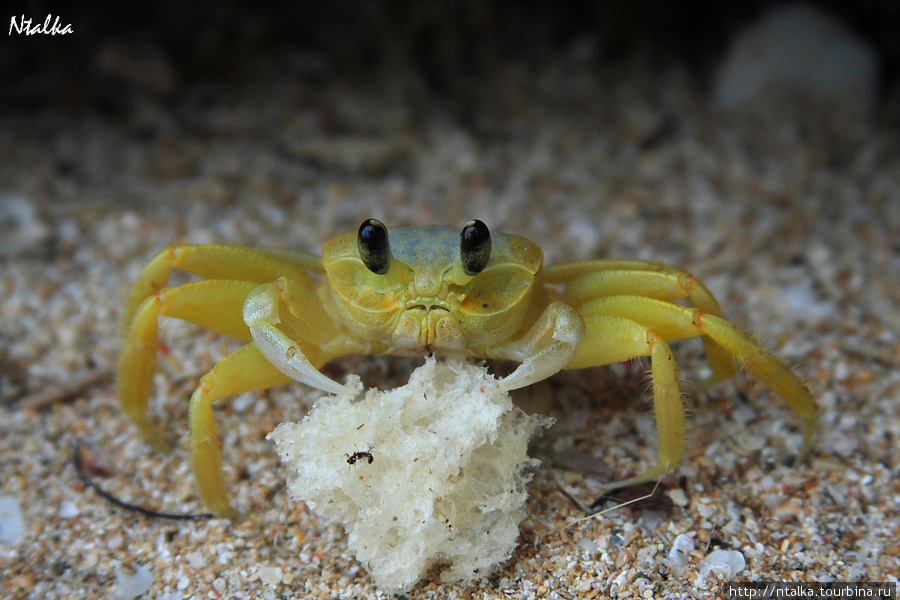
[(788, 213)]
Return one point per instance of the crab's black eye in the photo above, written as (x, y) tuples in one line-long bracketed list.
[(474, 247), (374, 249)]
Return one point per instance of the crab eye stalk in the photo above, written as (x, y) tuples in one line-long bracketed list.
[(374, 249), (474, 247)]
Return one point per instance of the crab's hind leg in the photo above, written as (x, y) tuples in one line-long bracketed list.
[(590, 280), (215, 304), (671, 322), (215, 262), (244, 370), (612, 339), (231, 273)]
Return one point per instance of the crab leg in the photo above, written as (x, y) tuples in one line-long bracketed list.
[(545, 349), (624, 339), (671, 321), (293, 305), (244, 370), (216, 262), (566, 272), (232, 273), (215, 304), (591, 280)]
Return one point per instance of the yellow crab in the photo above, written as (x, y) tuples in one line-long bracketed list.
[(428, 289)]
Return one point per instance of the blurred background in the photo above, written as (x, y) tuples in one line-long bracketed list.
[(173, 102), (756, 144)]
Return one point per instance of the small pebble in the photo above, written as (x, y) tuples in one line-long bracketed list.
[(680, 553), (270, 575), (678, 497), (21, 227), (706, 510), (588, 545), (652, 518), (196, 560), (725, 564), (132, 580), (220, 586), (12, 526), (68, 510)]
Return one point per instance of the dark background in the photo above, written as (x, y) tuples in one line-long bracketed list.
[(438, 51)]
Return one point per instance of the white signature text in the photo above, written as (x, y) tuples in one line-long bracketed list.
[(28, 27)]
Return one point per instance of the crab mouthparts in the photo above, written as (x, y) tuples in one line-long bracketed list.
[(427, 326), (428, 307), (426, 303)]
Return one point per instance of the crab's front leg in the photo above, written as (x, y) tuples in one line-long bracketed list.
[(562, 338), (546, 348), (276, 308), (292, 336)]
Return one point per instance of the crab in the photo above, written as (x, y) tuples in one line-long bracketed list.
[(414, 290)]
